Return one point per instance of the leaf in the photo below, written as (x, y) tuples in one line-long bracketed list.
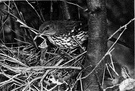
[(127, 84), (43, 45), (54, 81)]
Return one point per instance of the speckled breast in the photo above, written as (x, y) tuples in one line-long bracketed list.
[(69, 41)]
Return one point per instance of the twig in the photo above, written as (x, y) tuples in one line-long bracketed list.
[(29, 83), (113, 70), (124, 26), (21, 22), (55, 67), (103, 79), (7, 6), (110, 49), (34, 10), (37, 68), (9, 80), (81, 83), (76, 5), (17, 10), (110, 55), (96, 65), (21, 41), (13, 59), (15, 89), (110, 87), (74, 58), (78, 43), (109, 71)]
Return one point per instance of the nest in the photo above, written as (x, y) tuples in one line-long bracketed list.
[(28, 67)]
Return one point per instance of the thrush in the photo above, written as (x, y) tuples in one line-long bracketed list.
[(63, 34)]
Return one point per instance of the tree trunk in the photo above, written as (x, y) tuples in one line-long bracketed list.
[(97, 45)]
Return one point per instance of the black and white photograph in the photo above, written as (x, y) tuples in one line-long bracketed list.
[(67, 45)]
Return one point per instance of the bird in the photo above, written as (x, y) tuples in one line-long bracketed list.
[(63, 34)]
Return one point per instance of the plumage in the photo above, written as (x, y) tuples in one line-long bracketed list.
[(62, 33)]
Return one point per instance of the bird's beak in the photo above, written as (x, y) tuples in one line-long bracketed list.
[(45, 33)]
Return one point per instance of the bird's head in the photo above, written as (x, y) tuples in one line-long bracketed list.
[(47, 29), (50, 28)]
